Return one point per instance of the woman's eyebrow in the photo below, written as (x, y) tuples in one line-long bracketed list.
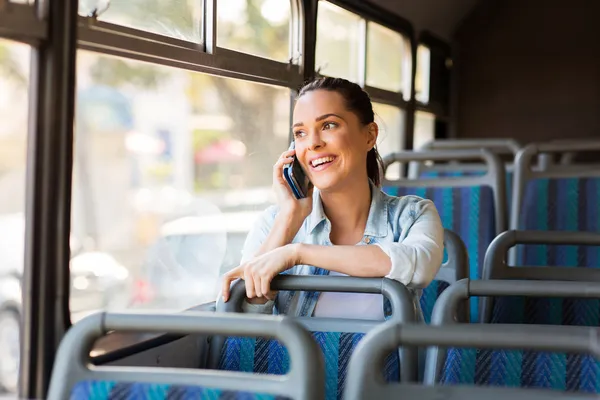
[(321, 118), (325, 116)]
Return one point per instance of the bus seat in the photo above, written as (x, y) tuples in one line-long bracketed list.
[(74, 378), (505, 148), (454, 268), (104, 390), (561, 204), (473, 207), (364, 381), (457, 171), (563, 198), (268, 356), (518, 368), (557, 311), (337, 338)]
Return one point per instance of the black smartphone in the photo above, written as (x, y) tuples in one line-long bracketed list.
[(296, 177)]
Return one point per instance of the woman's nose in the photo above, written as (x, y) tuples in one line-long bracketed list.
[(315, 141)]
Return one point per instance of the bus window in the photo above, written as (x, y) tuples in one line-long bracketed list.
[(171, 170), (424, 128), (173, 18), (422, 78), (388, 59), (391, 133), (14, 81), (338, 37), (257, 27)]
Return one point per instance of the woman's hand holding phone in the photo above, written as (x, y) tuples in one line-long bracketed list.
[(287, 202)]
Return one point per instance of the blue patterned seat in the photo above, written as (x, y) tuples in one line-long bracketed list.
[(269, 356), (468, 211), (105, 390), (546, 311), (560, 204), (458, 174), (570, 372), (516, 368)]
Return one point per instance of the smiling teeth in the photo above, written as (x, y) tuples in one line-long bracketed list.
[(322, 160)]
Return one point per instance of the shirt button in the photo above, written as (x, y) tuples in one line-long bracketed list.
[(367, 240)]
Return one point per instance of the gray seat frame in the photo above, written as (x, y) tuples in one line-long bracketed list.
[(524, 173), (403, 309), (496, 146), (494, 177), (449, 302), (496, 265), (304, 381), (364, 381)]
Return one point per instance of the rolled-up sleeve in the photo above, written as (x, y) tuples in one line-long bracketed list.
[(417, 259), (258, 233)]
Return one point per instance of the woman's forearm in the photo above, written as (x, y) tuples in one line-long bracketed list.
[(361, 261), (412, 264)]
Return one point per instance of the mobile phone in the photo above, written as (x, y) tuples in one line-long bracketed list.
[(296, 177)]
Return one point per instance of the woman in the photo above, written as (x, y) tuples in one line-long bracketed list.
[(347, 226)]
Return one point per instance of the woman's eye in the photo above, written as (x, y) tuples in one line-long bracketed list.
[(298, 134), (329, 125)]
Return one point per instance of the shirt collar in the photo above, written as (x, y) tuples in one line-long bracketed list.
[(376, 222)]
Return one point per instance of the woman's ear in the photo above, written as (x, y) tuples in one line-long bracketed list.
[(372, 134)]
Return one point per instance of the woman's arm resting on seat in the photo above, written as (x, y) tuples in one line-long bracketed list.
[(414, 262)]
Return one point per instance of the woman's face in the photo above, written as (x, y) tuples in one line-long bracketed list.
[(331, 142)]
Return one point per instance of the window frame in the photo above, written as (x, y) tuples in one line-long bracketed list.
[(206, 57), (442, 112), (19, 22), (45, 279)]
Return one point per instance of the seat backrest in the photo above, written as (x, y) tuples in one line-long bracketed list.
[(473, 207), (501, 147), (561, 198), (269, 356), (519, 302), (364, 381), (496, 145), (336, 338), (72, 376), (454, 268), (565, 311), (456, 171)]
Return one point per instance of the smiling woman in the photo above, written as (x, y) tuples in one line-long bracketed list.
[(347, 226)]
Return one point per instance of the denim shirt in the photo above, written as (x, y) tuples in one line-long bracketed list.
[(408, 229)]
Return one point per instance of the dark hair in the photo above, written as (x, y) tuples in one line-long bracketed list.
[(357, 101)]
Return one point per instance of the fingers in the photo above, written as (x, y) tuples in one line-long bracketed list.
[(281, 162), (249, 281), (257, 285), (278, 167), (227, 279), (265, 286), (287, 154)]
